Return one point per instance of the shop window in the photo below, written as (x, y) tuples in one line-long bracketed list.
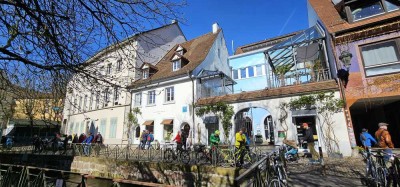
[(168, 132)]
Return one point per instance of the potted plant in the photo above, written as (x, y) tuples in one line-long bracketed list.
[(314, 67), (281, 71)]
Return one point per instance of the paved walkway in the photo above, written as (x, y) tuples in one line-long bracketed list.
[(337, 172)]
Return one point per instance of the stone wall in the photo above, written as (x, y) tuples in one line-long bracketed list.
[(165, 173)]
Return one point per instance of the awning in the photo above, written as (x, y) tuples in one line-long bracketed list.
[(168, 122), (149, 122), (210, 120), (301, 113)]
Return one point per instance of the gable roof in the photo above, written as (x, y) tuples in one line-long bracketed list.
[(196, 51), (334, 22)]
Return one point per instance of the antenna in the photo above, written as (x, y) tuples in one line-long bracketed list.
[(233, 52)]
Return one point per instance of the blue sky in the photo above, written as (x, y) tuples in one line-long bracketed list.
[(244, 21)]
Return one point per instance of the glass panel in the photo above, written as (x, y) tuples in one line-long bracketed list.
[(168, 132), (169, 94), (82, 127), (235, 74), (138, 99), (259, 70), (152, 97), (102, 127), (392, 5), (366, 10), (251, 71), (77, 128), (382, 70), (380, 53), (242, 73), (113, 127), (71, 128)]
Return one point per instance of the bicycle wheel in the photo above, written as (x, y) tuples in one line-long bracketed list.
[(185, 156), (276, 183), (381, 174), (168, 155), (282, 174)]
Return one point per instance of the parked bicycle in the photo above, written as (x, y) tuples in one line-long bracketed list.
[(279, 176), (178, 154)]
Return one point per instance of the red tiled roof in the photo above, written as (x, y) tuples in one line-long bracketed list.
[(334, 23), (271, 93), (196, 51)]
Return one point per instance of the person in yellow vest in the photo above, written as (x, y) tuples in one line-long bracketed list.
[(240, 144)]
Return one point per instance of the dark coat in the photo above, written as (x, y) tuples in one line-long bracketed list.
[(308, 135)]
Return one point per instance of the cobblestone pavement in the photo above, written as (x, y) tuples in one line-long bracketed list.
[(335, 172)]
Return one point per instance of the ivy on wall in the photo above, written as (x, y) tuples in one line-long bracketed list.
[(220, 109), (132, 122)]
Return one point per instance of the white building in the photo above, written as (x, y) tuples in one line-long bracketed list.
[(166, 92), (96, 100)]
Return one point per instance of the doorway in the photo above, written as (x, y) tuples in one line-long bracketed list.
[(310, 120)]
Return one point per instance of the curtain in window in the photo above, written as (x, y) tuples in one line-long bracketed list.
[(113, 127), (102, 127), (380, 54)]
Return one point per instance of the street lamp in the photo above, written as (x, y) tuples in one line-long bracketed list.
[(345, 57)]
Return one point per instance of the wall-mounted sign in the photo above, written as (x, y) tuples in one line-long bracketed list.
[(184, 109)]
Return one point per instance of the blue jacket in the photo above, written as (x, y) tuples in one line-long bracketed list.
[(88, 139), (368, 138)]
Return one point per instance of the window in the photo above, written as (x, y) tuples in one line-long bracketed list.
[(80, 103), (119, 65), (138, 99), (381, 58), (71, 128), (259, 70), (168, 132), (235, 74), (243, 73), (77, 127), (102, 126), (91, 101), (169, 94), (359, 10), (151, 97), (102, 71), (113, 127), (109, 69), (137, 132), (176, 65), (116, 95), (392, 5), (145, 73), (85, 103), (97, 99), (82, 130), (251, 71), (106, 96)]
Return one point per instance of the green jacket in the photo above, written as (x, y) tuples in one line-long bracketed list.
[(214, 139)]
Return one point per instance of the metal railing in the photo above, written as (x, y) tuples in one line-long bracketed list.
[(224, 155)]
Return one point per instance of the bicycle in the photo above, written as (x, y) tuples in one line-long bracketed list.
[(248, 156), (279, 178), (180, 154), (370, 168)]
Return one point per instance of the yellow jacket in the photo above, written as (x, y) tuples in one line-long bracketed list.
[(240, 140)]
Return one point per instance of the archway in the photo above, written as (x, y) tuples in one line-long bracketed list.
[(258, 124)]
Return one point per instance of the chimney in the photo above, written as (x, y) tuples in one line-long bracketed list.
[(215, 28)]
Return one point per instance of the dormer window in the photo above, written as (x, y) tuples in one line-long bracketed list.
[(148, 70), (176, 65), (359, 10), (180, 50)]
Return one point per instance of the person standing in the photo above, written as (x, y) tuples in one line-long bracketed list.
[(367, 139), (178, 140), (87, 142), (150, 138), (240, 143), (384, 140), (309, 138)]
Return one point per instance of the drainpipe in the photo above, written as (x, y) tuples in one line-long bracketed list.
[(193, 128), (349, 125)]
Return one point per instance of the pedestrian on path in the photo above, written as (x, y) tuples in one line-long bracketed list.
[(367, 139), (384, 140), (309, 138)]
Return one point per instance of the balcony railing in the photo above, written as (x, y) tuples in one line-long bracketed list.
[(300, 77)]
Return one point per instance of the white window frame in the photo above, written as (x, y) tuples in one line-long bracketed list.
[(85, 103), (119, 65), (106, 96), (135, 102), (91, 101), (116, 95), (169, 94), (151, 97), (145, 73), (109, 69), (176, 65)]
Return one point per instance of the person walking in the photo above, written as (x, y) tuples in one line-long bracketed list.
[(384, 140), (367, 139), (150, 138), (143, 139), (240, 143), (214, 141), (309, 138)]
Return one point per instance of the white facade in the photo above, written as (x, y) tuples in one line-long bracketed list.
[(98, 102), (185, 87)]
